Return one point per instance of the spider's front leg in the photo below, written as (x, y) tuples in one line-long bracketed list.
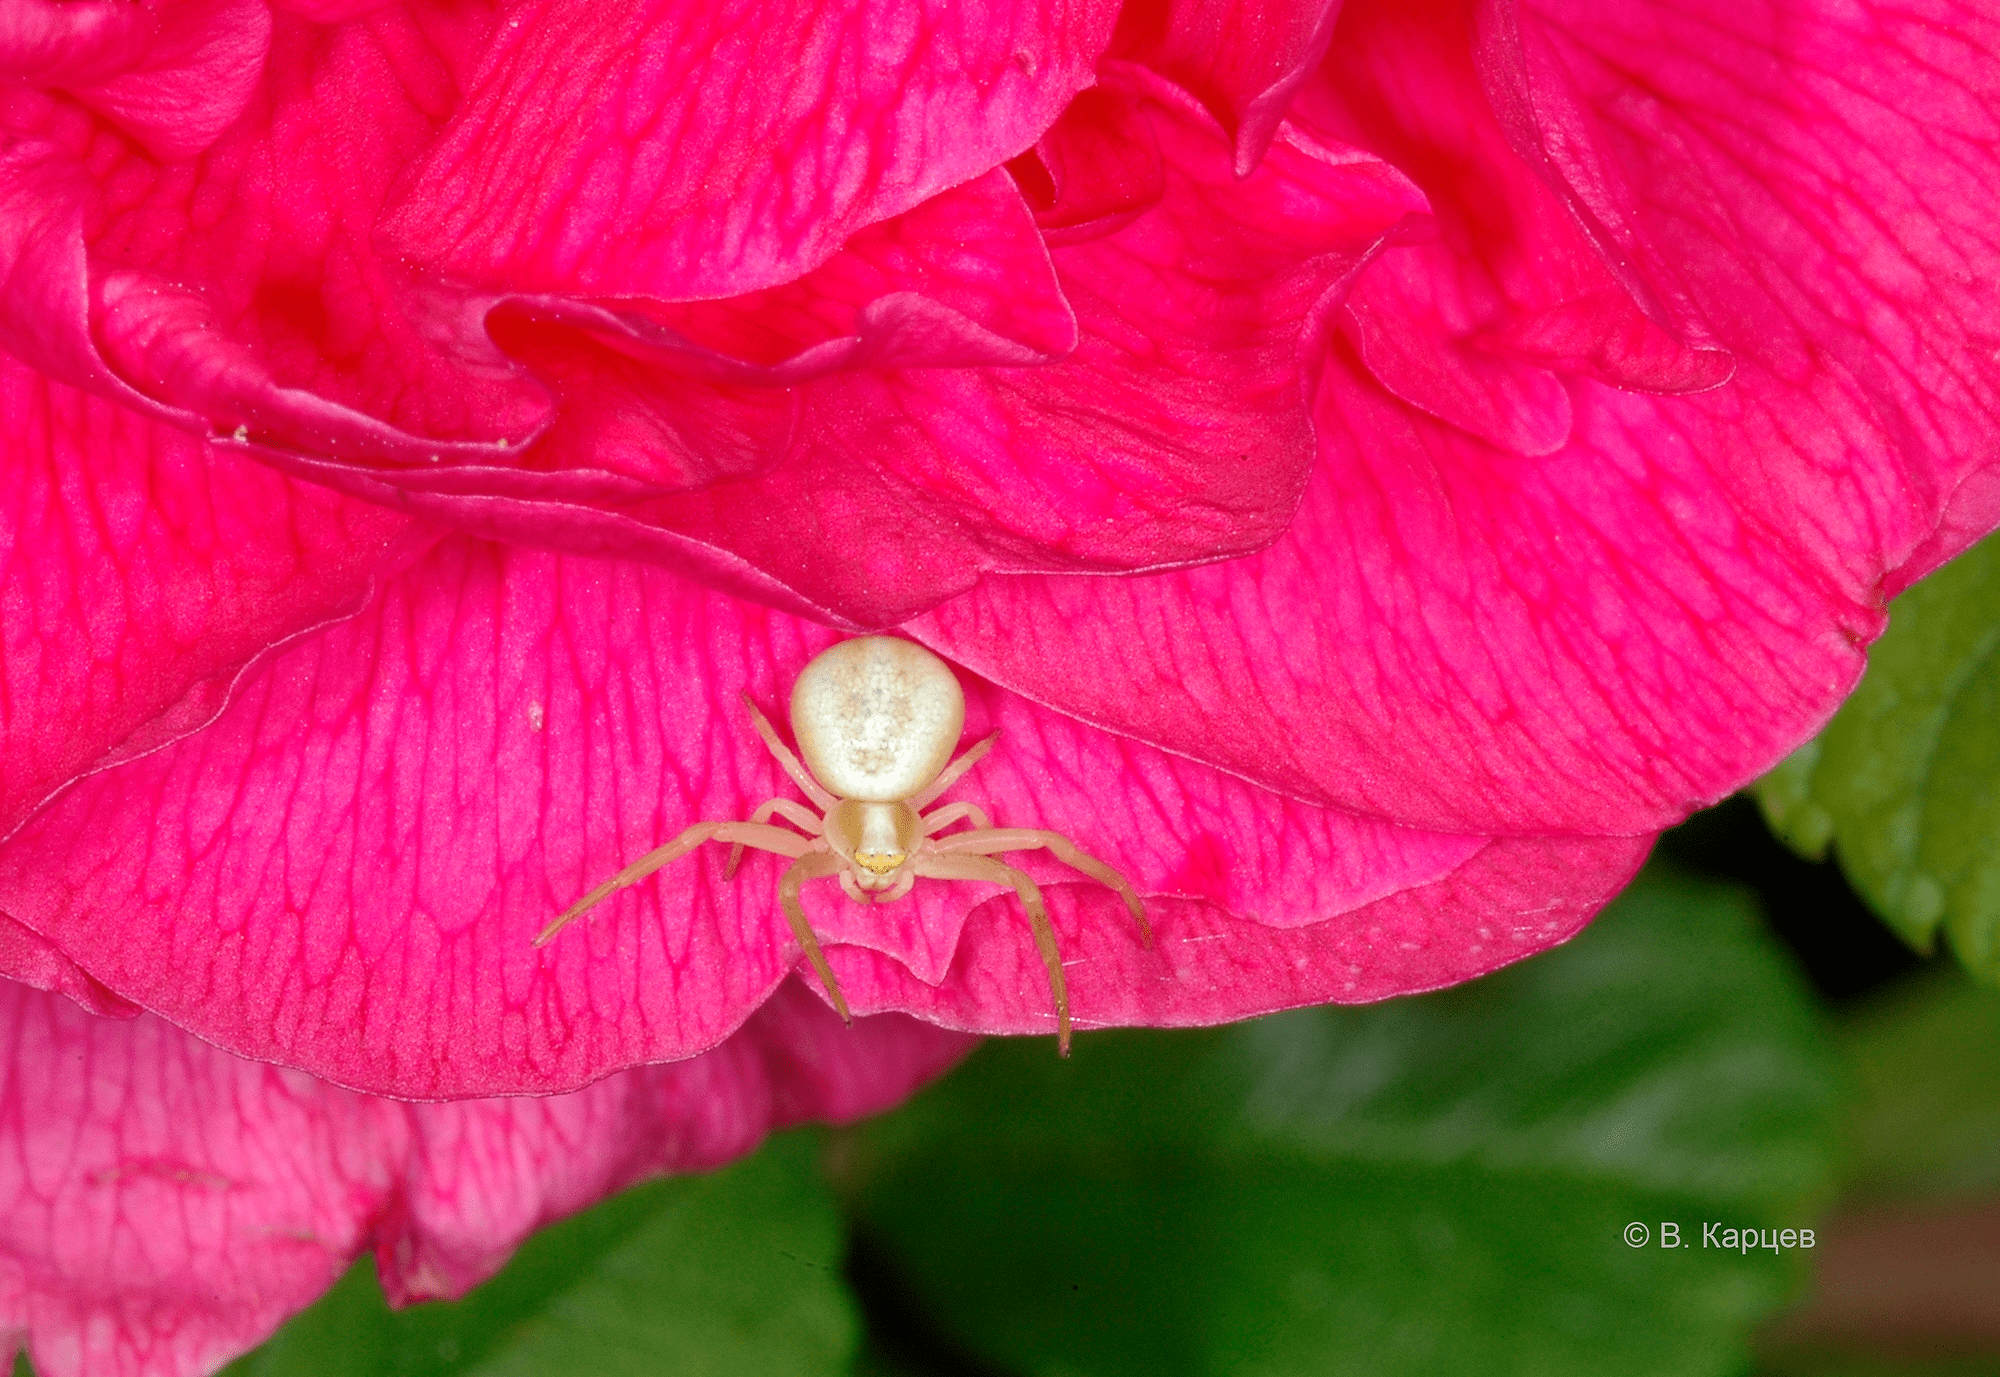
[(814, 865), (760, 835), (966, 867), (987, 843)]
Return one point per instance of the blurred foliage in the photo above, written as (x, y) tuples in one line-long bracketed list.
[(1436, 1184), (1926, 1064), (1845, 950), (1923, 1122), (1903, 781), (730, 1275)]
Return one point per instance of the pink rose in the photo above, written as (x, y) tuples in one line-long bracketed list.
[(1505, 426)]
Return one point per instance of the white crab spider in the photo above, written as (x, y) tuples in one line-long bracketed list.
[(876, 719)]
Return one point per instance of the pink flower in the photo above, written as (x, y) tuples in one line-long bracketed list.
[(1378, 465)]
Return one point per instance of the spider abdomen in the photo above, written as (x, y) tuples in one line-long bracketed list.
[(877, 718)]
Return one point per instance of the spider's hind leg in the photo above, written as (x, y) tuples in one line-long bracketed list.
[(783, 754), (951, 773)]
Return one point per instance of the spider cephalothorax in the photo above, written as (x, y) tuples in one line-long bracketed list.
[(877, 719)]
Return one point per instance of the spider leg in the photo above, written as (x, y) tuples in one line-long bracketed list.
[(966, 867), (951, 813), (817, 865), (951, 774), (904, 883), (757, 834), (786, 760), (798, 814), (1061, 847), (852, 888)]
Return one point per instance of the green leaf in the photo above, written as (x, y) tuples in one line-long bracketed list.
[(730, 1275), (1903, 780), (1431, 1185)]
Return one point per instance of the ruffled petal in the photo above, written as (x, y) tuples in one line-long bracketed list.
[(1602, 639), (198, 74), (1177, 431), (62, 41), (1547, 256), (172, 74), (241, 292), (1101, 408), (1608, 635), (140, 570), (345, 870), (1838, 229), (1243, 61), (163, 1205), (31, 959), (587, 160), (1512, 899)]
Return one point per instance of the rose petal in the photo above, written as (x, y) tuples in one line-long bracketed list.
[(1513, 899), (332, 365), (835, 109), (345, 870), (163, 1205), (1600, 639), (332, 11), (1839, 232), (1610, 636), (59, 42), (242, 289), (44, 284), (33, 960), (1243, 61), (959, 281), (1412, 320), (139, 570), (1453, 98), (1180, 831), (171, 73), (197, 74), (1176, 431), (1095, 171), (683, 396), (168, 342)]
